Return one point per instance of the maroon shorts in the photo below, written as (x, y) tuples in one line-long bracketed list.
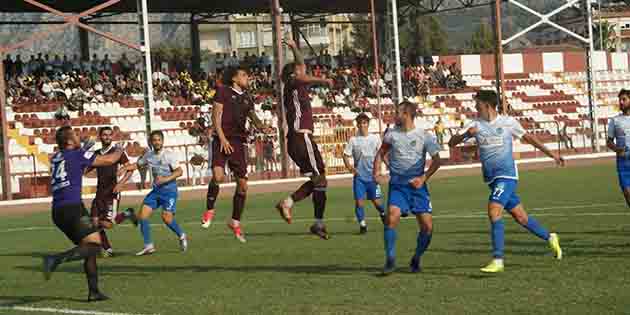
[(304, 152), (237, 161), (102, 207)]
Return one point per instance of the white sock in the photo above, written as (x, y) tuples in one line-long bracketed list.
[(362, 223), (289, 202), (498, 261), (183, 237), (319, 222), (236, 222)]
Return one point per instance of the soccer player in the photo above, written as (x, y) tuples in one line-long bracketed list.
[(232, 108), (618, 130), (406, 147), (106, 200), (363, 148), (165, 170), (69, 213), (301, 145), (494, 133)]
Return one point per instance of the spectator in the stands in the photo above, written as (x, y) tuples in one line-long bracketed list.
[(7, 63), (125, 64), (233, 60), (57, 64), (439, 131), (107, 65), (66, 65), (49, 69)]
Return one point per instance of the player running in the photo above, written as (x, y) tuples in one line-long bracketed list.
[(494, 133), (106, 202), (232, 108), (301, 145), (69, 213), (618, 130), (165, 169), (363, 148), (406, 147)]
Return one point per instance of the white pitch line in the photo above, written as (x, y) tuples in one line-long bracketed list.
[(472, 214), (58, 310)]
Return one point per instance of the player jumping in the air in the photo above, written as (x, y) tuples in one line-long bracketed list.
[(165, 169), (301, 145), (494, 133), (69, 213), (619, 142), (363, 148), (232, 108), (105, 204), (407, 146)]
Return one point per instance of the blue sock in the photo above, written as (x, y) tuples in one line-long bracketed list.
[(145, 229), (380, 209), (498, 242), (175, 228), (390, 242), (423, 241), (536, 228), (360, 213)]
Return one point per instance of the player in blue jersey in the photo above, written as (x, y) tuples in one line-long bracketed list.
[(69, 213), (406, 147), (363, 148), (618, 131), (494, 133), (165, 169)]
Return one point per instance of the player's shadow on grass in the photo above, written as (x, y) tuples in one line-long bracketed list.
[(306, 233), (8, 301), (26, 254)]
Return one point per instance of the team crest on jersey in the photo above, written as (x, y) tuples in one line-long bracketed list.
[(499, 130), (413, 143)]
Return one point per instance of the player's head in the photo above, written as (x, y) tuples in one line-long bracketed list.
[(406, 112), (236, 76), (67, 139), (363, 123), (157, 140), (624, 100), (291, 70), (105, 135), (486, 102)]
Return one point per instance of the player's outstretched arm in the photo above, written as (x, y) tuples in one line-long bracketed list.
[(348, 165), (217, 114), (378, 160), (461, 137), (178, 172), (610, 143), (258, 124), (531, 139), (108, 159), (299, 60)]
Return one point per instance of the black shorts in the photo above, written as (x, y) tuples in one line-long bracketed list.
[(74, 221), (103, 207), (304, 152), (237, 161)]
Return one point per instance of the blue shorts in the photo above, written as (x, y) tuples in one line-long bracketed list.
[(409, 199), (162, 199), (623, 172), (363, 188), (503, 191)]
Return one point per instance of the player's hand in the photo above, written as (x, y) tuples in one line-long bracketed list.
[(353, 171), (380, 179), (117, 189), (226, 147), (417, 182), (289, 42), (472, 131), (159, 180)]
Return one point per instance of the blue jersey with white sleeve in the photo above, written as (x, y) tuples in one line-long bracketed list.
[(407, 155), (160, 164), (495, 141), (363, 151)]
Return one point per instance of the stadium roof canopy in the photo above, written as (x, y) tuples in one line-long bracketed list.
[(203, 6)]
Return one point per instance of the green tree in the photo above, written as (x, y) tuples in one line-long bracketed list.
[(605, 40), (423, 36), (361, 33), (482, 40)]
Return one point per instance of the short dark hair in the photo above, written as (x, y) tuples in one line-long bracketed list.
[(487, 96), (409, 108), (624, 92), (103, 129), (158, 133), (288, 71), (362, 117), (61, 136), (230, 73)]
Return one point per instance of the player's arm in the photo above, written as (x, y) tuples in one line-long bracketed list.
[(462, 136), (347, 152), (378, 160), (217, 114), (433, 150), (258, 124), (107, 159), (305, 79), (533, 140), (610, 139), (176, 171)]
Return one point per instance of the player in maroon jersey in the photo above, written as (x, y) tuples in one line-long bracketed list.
[(300, 142), (104, 205), (233, 106)]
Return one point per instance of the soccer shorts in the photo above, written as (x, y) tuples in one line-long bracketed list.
[(409, 199), (74, 221), (362, 188), (304, 152), (237, 161), (166, 200), (103, 207), (503, 192), (623, 172)]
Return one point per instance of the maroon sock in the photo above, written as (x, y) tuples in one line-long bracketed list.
[(238, 204), (319, 202), (304, 191), (213, 192)]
